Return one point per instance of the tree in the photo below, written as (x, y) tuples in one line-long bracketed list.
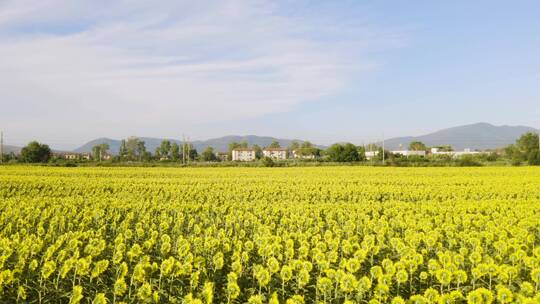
[(268, 162), (343, 153), (417, 146), (104, 149), (132, 146), (351, 153), (232, 146), (527, 143), (122, 153), (307, 149), (35, 152), (295, 145), (235, 145), (191, 152), (307, 145), (10, 156), (141, 150), (525, 149), (165, 148), (258, 151), (98, 151), (387, 154), (175, 151), (274, 144), (208, 155), (533, 158), (446, 148), (361, 153), (145, 156)]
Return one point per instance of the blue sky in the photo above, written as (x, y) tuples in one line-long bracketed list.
[(320, 70)]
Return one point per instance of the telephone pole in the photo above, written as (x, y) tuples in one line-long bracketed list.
[(183, 149), (188, 148), (383, 150)]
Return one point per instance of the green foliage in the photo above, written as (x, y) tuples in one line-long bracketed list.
[(533, 158), (164, 149), (268, 162), (388, 156), (175, 151), (527, 143), (258, 151), (208, 155), (132, 149), (306, 149), (35, 152), (445, 148), (98, 151), (295, 145), (343, 153), (417, 146), (526, 149), (468, 161), (361, 153), (274, 144)]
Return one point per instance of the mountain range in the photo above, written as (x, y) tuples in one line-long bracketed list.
[(11, 149), (478, 136), (219, 144)]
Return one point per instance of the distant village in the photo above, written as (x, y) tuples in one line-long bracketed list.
[(249, 154), (278, 153), (133, 149)]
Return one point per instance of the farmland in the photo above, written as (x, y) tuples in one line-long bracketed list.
[(269, 235)]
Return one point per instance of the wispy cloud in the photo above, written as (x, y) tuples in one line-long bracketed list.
[(122, 66)]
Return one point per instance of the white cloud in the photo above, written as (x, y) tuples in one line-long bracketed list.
[(134, 65)]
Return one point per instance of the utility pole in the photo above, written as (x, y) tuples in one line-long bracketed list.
[(383, 150), (183, 149), (188, 151), (1, 147)]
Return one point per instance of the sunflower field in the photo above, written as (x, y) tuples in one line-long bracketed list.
[(269, 235)]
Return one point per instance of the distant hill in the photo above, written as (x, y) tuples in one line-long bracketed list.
[(219, 144), (17, 150), (8, 149), (479, 136)]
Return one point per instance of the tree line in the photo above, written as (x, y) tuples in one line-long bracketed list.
[(524, 151)]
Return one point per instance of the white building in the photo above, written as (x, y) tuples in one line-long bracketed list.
[(409, 153), (243, 154), (222, 156), (456, 154), (296, 154), (371, 154), (275, 153), (67, 155)]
